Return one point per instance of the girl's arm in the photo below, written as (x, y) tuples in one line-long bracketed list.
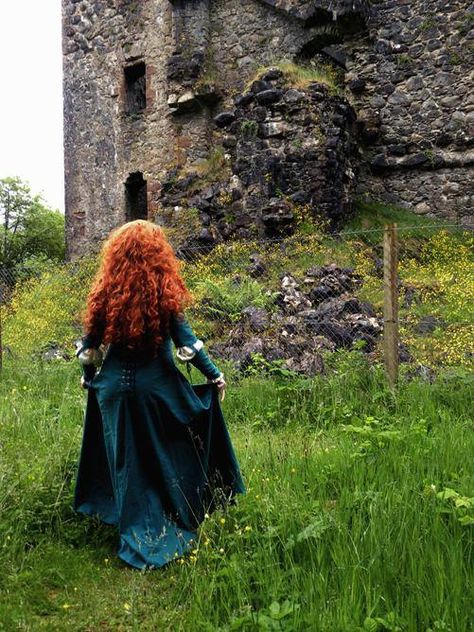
[(189, 348), (90, 357)]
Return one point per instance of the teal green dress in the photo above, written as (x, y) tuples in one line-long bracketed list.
[(156, 454)]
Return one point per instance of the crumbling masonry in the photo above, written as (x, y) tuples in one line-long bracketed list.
[(153, 88)]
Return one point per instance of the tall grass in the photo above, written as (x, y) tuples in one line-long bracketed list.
[(302, 76), (344, 527)]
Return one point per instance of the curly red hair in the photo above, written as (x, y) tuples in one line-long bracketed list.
[(137, 287)]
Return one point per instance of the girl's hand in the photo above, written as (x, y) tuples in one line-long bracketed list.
[(83, 382), (221, 385)]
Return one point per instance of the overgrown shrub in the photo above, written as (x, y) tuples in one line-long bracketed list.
[(45, 311)]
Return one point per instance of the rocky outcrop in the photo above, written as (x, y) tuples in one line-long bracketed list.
[(291, 153), (317, 312)]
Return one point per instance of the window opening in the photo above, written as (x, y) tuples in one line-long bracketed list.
[(135, 86), (136, 197)]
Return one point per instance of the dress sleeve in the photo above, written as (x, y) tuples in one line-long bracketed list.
[(189, 348), (89, 356)]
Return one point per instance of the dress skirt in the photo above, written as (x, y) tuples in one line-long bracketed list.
[(156, 456)]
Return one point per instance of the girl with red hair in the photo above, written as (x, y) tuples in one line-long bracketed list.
[(156, 455)]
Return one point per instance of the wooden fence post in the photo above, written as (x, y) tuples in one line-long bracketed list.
[(390, 304)]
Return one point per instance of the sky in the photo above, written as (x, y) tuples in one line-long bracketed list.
[(31, 118)]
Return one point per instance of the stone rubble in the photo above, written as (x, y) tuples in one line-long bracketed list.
[(303, 323)]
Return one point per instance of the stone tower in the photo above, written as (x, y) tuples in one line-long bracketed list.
[(144, 81)]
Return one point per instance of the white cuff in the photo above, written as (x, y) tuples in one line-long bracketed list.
[(184, 354), (90, 356), (218, 379)]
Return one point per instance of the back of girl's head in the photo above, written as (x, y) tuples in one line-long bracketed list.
[(138, 286), (135, 241)]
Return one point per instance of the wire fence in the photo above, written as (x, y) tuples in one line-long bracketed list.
[(7, 283), (401, 295)]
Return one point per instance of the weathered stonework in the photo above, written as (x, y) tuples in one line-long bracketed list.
[(408, 75), (288, 153), (412, 81), (103, 144)]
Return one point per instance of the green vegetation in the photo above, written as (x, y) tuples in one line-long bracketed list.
[(429, 23), (249, 128), (301, 76), (32, 234), (209, 76), (436, 266), (182, 224), (226, 298), (404, 61), (360, 507), (214, 168), (455, 59), (466, 25), (358, 515), (206, 171), (45, 311), (374, 215)]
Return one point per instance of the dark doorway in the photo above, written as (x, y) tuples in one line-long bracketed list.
[(135, 86), (136, 197)]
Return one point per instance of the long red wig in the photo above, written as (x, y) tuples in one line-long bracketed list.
[(137, 287)]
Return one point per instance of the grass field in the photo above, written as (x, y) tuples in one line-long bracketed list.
[(359, 513)]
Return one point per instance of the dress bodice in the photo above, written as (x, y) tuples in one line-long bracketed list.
[(189, 348)]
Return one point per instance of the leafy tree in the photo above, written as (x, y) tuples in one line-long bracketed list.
[(31, 231)]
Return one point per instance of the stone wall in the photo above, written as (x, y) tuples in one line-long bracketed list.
[(289, 158), (104, 144), (412, 84), (408, 72)]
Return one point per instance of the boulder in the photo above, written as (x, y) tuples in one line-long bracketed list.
[(427, 324), (257, 268), (257, 318), (308, 363), (267, 97), (224, 119)]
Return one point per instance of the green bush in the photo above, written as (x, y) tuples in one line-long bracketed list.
[(45, 311), (225, 299)]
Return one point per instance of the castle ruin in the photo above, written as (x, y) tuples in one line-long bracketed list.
[(154, 87)]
